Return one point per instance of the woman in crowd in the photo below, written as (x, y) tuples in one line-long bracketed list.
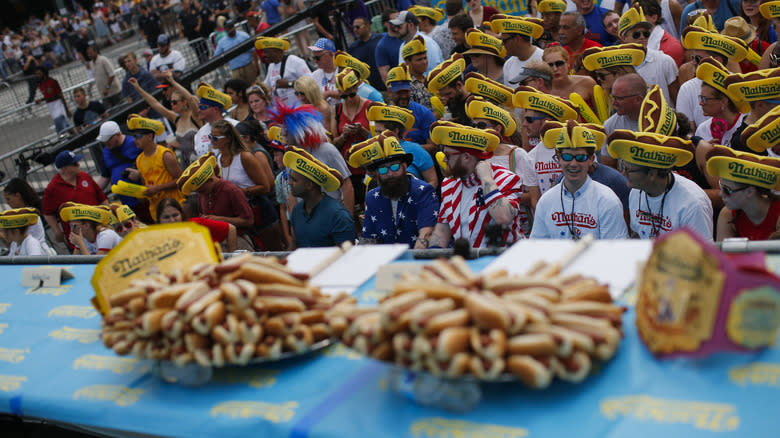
[(254, 136), (764, 31), (564, 83), (259, 99), (126, 220), (480, 14), (14, 229), (307, 90), (351, 125), (186, 121), (90, 233), (170, 211), (725, 115), (236, 89), (19, 194), (605, 77)]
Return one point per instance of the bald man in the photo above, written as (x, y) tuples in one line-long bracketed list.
[(628, 91)]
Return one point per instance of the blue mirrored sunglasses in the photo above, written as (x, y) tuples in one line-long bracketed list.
[(384, 169), (580, 158)]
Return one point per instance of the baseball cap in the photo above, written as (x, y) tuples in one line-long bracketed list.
[(404, 17), (66, 158), (229, 23), (526, 73), (163, 39), (397, 86), (107, 130), (323, 44), (148, 52)]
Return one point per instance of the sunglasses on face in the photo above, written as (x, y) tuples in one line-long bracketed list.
[(580, 158), (639, 33), (556, 64), (382, 170), (531, 119), (357, 26), (625, 169), (482, 125), (317, 57), (622, 98), (174, 102), (697, 59), (203, 107), (705, 99), (216, 137), (602, 76), (124, 226), (345, 96), (138, 135), (728, 191)]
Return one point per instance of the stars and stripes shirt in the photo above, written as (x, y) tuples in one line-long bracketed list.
[(417, 209), (467, 215)]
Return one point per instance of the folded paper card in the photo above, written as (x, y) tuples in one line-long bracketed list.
[(44, 276)]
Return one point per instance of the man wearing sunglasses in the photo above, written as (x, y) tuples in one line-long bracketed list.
[(211, 108), (325, 76), (578, 205), (657, 67), (402, 209)]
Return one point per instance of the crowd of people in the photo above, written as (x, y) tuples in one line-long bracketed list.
[(452, 125)]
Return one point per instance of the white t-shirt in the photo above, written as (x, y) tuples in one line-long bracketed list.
[(30, 247), (658, 68), (688, 101), (686, 204), (174, 61), (668, 24), (327, 82), (36, 230), (294, 68), (202, 141), (523, 168), (703, 131), (547, 170), (106, 240), (513, 65), (597, 211)]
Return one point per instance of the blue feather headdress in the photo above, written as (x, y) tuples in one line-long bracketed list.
[(302, 123)]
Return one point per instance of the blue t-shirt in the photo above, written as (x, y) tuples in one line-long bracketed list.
[(386, 52), (366, 52), (228, 43), (595, 30), (423, 118), (329, 224), (723, 13), (145, 79), (366, 91), (614, 180), (271, 11), (422, 160), (417, 209), (117, 161), (404, 4)]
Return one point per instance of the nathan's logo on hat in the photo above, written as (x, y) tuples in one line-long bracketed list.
[(436, 14), (695, 38), (552, 6), (758, 85), (389, 113), (138, 123), (467, 139), (596, 58), (208, 93), (18, 217), (445, 73), (197, 173), (262, 43), (545, 105), (479, 108), (740, 170), (313, 172), (376, 150), (530, 98), (482, 43), (760, 91), (459, 136), (496, 92), (743, 167), (72, 211), (346, 79), (346, 60), (717, 44), (304, 163), (764, 133), (642, 155), (649, 149), (770, 9), (413, 47), (635, 15), (398, 74), (714, 74), (530, 27)]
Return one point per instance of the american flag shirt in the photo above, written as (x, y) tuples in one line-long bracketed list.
[(468, 218)]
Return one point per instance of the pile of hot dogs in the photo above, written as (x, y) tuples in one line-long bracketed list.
[(451, 322), (217, 314)]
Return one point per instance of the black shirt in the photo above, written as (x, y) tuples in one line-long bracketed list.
[(150, 24), (88, 115), (189, 21), (365, 51)]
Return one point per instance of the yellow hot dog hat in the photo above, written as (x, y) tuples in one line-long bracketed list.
[(304, 163), (496, 92), (445, 73), (435, 14), (378, 111), (770, 10), (714, 74), (757, 85), (413, 47), (138, 123), (377, 150), (705, 22), (198, 173), (262, 43), (572, 135), (346, 79), (479, 141), (18, 217), (275, 134), (633, 16), (73, 211), (556, 107), (399, 73), (650, 150), (655, 115), (482, 43), (345, 60), (479, 108), (551, 6), (696, 38), (764, 133), (128, 189), (122, 212), (530, 27), (744, 167), (211, 96), (596, 58)]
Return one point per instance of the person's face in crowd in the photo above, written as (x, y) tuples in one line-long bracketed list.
[(130, 63), (297, 184), (450, 95), (611, 24), (114, 141), (208, 113), (350, 94), (393, 183), (735, 195), (233, 95), (482, 62), (584, 6), (147, 56), (551, 20), (568, 30), (456, 162), (401, 98), (574, 172), (70, 171), (392, 29), (165, 49), (220, 140), (231, 31), (418, 63), (712, 103), (624, 100), (178, 104), (323, 59), (143, 139), (83, 228), (636, 176), (256, 103), (537, 83), (605, 78), (272, 56), (532, 122), (126, 227), (403, 30), (91, 53), (700, 55), (80, 98), (361, 29), (170, 215), (637, 35), (458, 36), (558, 65), (278, 158), (475, 4), (511, 42), (14, 200), (39, 75)]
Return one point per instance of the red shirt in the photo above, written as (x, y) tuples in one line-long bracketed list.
[(762, 231), (747, 66), (672, 47), (361, 118), (575, 59), (226, 200), (86, 191), (50, 88), (217, 229)]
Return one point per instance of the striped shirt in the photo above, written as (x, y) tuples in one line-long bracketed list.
[(466, 219)]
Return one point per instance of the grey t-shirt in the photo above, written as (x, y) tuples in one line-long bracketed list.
[(614, 122)]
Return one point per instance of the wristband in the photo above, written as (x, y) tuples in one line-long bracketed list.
[(492, 197), (696, 139)]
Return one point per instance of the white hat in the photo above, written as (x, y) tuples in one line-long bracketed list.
[(107, 130)]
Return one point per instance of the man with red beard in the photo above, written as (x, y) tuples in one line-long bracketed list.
[(403, 209)]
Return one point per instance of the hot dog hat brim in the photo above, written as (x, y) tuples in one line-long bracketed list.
[(18, 218), (379, 112), (650, 150), (744, 167), (262, 43), (484, 44), (497, 93), (346, 79), (765, 133), (435, 14), (714, 74), (413, 47), (551, 6), (445, 73), (572, 135), (655, 115), (464, 137), (479, 108), (345, 60), (398, 74), (695, 38), (757, 85), (209, 93), (305, 164), (122, 212), (596, 58), (554, 106), (138, 123), (72, 211), (510, 24), (377, 150), (633, 17), (770, 10), (197, 173)]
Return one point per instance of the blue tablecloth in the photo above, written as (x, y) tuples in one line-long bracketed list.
[(52, 365)]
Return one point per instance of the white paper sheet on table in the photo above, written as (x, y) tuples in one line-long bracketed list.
[(304, 260), (610, 261), (357, 266)]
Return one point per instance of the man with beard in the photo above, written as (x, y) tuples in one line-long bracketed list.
[(400, 87), (403, 209), (446, 82), (478, 194)]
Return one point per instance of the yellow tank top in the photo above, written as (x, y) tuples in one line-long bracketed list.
[(153, 171)]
